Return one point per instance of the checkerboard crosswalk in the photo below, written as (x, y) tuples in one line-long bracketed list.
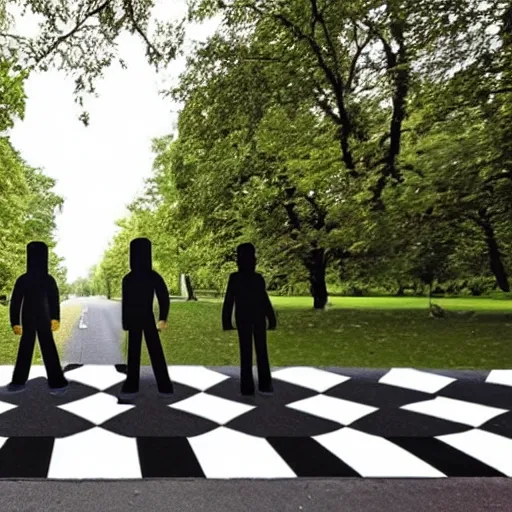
[(319, 423)]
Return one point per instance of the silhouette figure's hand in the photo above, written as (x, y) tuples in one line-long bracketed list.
[(17, 330), (162, 325), (272, 327), (55, 325), (228, 328)]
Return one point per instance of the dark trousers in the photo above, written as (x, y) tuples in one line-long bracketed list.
[(49, 352), (156, 354), (247, 331)]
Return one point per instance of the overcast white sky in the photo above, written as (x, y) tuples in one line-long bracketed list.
[(101, 168)]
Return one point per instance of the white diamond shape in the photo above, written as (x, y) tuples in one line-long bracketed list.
[(197, 377), (489, 448), (503, 377), (98, 376), (6, 371), (6, 374), (225, 453), (410, 378), (95, 453), (4, 407), (460, 411), (311, 378), (97, 408), (212, 408), (37, 371), (335, 409), (374, 456)]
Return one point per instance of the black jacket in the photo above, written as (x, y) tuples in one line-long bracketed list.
[(139, 288), (35, 297), (247, 293)]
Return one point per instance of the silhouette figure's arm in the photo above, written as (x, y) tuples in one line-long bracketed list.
[(125, 314), (16, 302), (269, 310), (53, 299), (227, 307), (162, 295)]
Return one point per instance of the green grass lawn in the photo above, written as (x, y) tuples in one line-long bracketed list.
[(365, 332), (9, 343)]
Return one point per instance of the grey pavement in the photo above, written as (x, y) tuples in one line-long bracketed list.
[(304, 495), (98, 336)]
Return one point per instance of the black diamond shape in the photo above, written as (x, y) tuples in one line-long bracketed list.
[(72, 366), (402, 423), (45, 421), (493, 395), (284, 393), (158, 420), (375, 394), (37, 413), (152, 416), (362, 374), (148, 391), (37, 394), (501, 425), (277, 420)]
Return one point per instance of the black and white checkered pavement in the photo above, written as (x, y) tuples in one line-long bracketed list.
[(332, 422)]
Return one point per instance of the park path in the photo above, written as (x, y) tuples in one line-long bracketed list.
[(97, 337)]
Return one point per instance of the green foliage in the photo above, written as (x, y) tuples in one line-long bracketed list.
[(370, 142), (28, 206), (81, 37), (12, 94)]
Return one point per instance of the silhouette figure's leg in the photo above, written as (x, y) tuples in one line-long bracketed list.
[(245, 341), (51, 360), (131, 384), (24, 358), (156, 354), (260, 344)]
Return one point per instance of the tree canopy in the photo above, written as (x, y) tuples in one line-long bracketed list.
[(360, 145)]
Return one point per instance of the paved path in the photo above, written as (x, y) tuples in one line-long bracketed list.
[(307, 495), (98, 336), (322, 423)]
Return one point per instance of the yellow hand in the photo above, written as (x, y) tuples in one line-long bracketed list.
[(161, 325), (17, 330), (55, 325)]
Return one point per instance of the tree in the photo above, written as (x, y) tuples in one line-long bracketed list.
[(80, 37)]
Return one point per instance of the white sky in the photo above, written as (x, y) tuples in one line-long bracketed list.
[(100, 168)]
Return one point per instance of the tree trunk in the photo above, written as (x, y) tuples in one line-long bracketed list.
[(318, 287), (109, 294), (190, 290), (496, 262), (401, 291)]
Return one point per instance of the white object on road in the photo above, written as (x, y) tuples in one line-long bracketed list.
[(82, 324)]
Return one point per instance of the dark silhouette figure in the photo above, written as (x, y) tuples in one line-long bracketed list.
[(246, 292), (138, 289), (35, 310)]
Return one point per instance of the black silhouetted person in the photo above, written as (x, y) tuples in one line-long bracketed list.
[(139, 288), (35, 310), (247, 293)]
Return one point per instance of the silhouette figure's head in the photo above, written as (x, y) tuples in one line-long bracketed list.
[(37, 258), (140, 255), (246, 257)]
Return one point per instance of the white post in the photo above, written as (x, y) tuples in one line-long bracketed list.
[(183, 286)]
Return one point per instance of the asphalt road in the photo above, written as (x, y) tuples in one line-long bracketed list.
[(98, 336), (305, 495)]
